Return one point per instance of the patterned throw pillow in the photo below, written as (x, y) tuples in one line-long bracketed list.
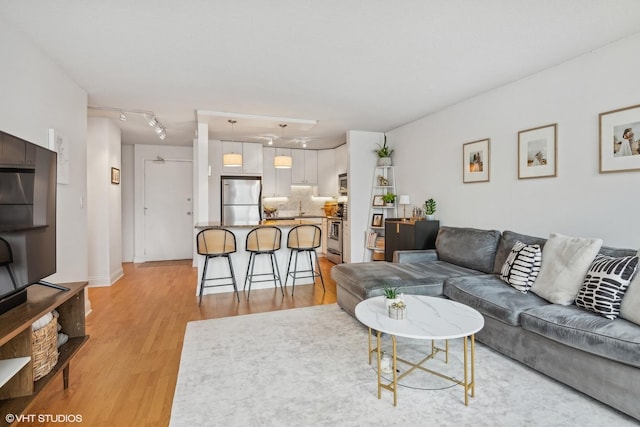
[(522, 266), (605, 284)]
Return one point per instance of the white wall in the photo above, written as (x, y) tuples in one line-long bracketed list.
[(128, 202), (142, 153), (360, 146), (36, 95), (103, 202), (579, 201)]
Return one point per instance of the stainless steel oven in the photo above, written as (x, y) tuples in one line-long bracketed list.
[(334, 240)]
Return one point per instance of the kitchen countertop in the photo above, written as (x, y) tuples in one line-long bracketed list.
[(282, 222)]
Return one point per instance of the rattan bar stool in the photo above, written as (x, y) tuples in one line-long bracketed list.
[(216, 243), (304, 238), (264, 240)]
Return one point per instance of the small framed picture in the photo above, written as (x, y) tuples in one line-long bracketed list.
[(537, 152), (115, 176), (475, 161), (376, 220), (620, 140), (378, 200)]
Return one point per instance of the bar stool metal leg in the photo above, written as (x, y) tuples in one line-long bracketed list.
[(233, 278)]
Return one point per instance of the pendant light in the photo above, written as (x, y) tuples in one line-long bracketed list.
[(232, 160), (282, 162)]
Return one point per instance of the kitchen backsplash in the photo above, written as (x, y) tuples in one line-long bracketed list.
[(290, 206)]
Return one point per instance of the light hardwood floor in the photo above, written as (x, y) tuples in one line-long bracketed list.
[(126, 374)]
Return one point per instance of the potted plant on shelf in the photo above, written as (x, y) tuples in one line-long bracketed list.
[(430, 209), (384, 153), (389, 198)]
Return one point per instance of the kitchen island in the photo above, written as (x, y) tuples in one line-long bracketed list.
[(240, 258)]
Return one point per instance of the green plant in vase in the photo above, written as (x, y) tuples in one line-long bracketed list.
[(389, 292), (430, 208), (389, 198), (384, 153)]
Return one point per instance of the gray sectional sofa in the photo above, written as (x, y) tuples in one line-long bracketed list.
[(595, 355)]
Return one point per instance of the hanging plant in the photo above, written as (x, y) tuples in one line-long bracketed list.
[(384, 150)]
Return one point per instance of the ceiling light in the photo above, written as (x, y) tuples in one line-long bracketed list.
[(282, 162), (232, 160), (149, 117), (304, 144), (270, 141)]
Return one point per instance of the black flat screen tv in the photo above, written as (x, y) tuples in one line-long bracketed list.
[(28, 180)]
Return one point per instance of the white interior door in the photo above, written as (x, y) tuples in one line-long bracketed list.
[(168, 207)]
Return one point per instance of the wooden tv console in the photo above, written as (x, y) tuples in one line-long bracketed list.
[(18, 392)]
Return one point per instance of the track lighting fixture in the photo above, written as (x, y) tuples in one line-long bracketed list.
[(149, 117)]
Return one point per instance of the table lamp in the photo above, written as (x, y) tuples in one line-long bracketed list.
[(404, 200)]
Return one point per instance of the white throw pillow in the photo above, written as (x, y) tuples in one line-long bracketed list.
[(630, 307), (565, 262)]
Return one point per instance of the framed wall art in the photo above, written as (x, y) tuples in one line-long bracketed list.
[(60, 144), (537, 152), (115, 176), (475, 161), (378, 200), (376, 220), (620, 140)]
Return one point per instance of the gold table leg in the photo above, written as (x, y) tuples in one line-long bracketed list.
[(378, 367), (465, 383), (395, 372)]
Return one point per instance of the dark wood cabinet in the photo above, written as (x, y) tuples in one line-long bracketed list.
[(405, 235), (19, 390)]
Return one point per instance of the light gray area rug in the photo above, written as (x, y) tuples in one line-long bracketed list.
[(309, 366)]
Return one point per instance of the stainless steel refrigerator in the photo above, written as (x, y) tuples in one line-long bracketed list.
[(241, 200)]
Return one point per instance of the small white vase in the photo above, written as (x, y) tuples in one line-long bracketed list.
[(389, 301), (430, 217), (384, 161)]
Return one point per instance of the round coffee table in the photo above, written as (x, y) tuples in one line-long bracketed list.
[(428, 318)]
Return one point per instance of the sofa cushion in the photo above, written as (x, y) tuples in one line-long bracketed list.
[(617, 340), (506, 242), (565, 261), (630, 306), (468, 247), (605, 284), (367, 279), (522, 266), (491, 297)]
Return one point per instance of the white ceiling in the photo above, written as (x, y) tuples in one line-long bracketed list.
[(349, 64)]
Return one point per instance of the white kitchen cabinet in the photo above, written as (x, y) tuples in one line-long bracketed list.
[(275, 182), (342, 160), (327, 175), (251, 157), (304, 169)]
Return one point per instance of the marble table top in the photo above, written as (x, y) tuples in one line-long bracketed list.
[(427, 318)]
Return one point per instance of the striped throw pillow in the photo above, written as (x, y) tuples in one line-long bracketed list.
[(522, 266), (605, 284)]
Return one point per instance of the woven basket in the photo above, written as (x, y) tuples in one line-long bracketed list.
[(44, 344)]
